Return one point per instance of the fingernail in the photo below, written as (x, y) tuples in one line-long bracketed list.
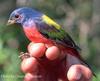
[(78, 76)]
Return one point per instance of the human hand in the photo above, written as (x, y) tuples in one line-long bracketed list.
[(48, 64)]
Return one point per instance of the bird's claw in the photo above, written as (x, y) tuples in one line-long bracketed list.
[(24, 55)]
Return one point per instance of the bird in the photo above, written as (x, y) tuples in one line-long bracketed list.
[(39, 28)]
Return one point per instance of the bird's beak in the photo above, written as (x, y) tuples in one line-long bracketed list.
[(10, 22)]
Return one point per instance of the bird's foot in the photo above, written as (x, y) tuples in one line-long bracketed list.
[(24, 55)]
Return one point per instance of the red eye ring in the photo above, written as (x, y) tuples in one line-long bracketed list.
[(17, 16)]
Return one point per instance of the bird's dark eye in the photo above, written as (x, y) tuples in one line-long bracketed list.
[(16, 16)]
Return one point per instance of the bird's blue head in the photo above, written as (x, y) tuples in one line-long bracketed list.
[(21, 15)]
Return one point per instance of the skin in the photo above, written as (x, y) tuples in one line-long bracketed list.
[(30, 66)]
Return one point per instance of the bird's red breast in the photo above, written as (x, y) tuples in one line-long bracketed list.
[(35, 36)]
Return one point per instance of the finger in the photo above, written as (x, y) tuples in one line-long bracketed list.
[(74, 73), (29, 65), (52, 53), (86, 72), (79, 73), (31, 77), (28, 77), (36, 49)]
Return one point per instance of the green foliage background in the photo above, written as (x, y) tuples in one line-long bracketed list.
[(80, 18)]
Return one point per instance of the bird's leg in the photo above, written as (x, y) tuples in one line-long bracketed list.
[(24, 55)]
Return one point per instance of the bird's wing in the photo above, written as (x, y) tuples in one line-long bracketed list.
[(50, 29)]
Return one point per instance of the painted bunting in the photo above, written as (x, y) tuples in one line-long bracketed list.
[(39, 28)]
